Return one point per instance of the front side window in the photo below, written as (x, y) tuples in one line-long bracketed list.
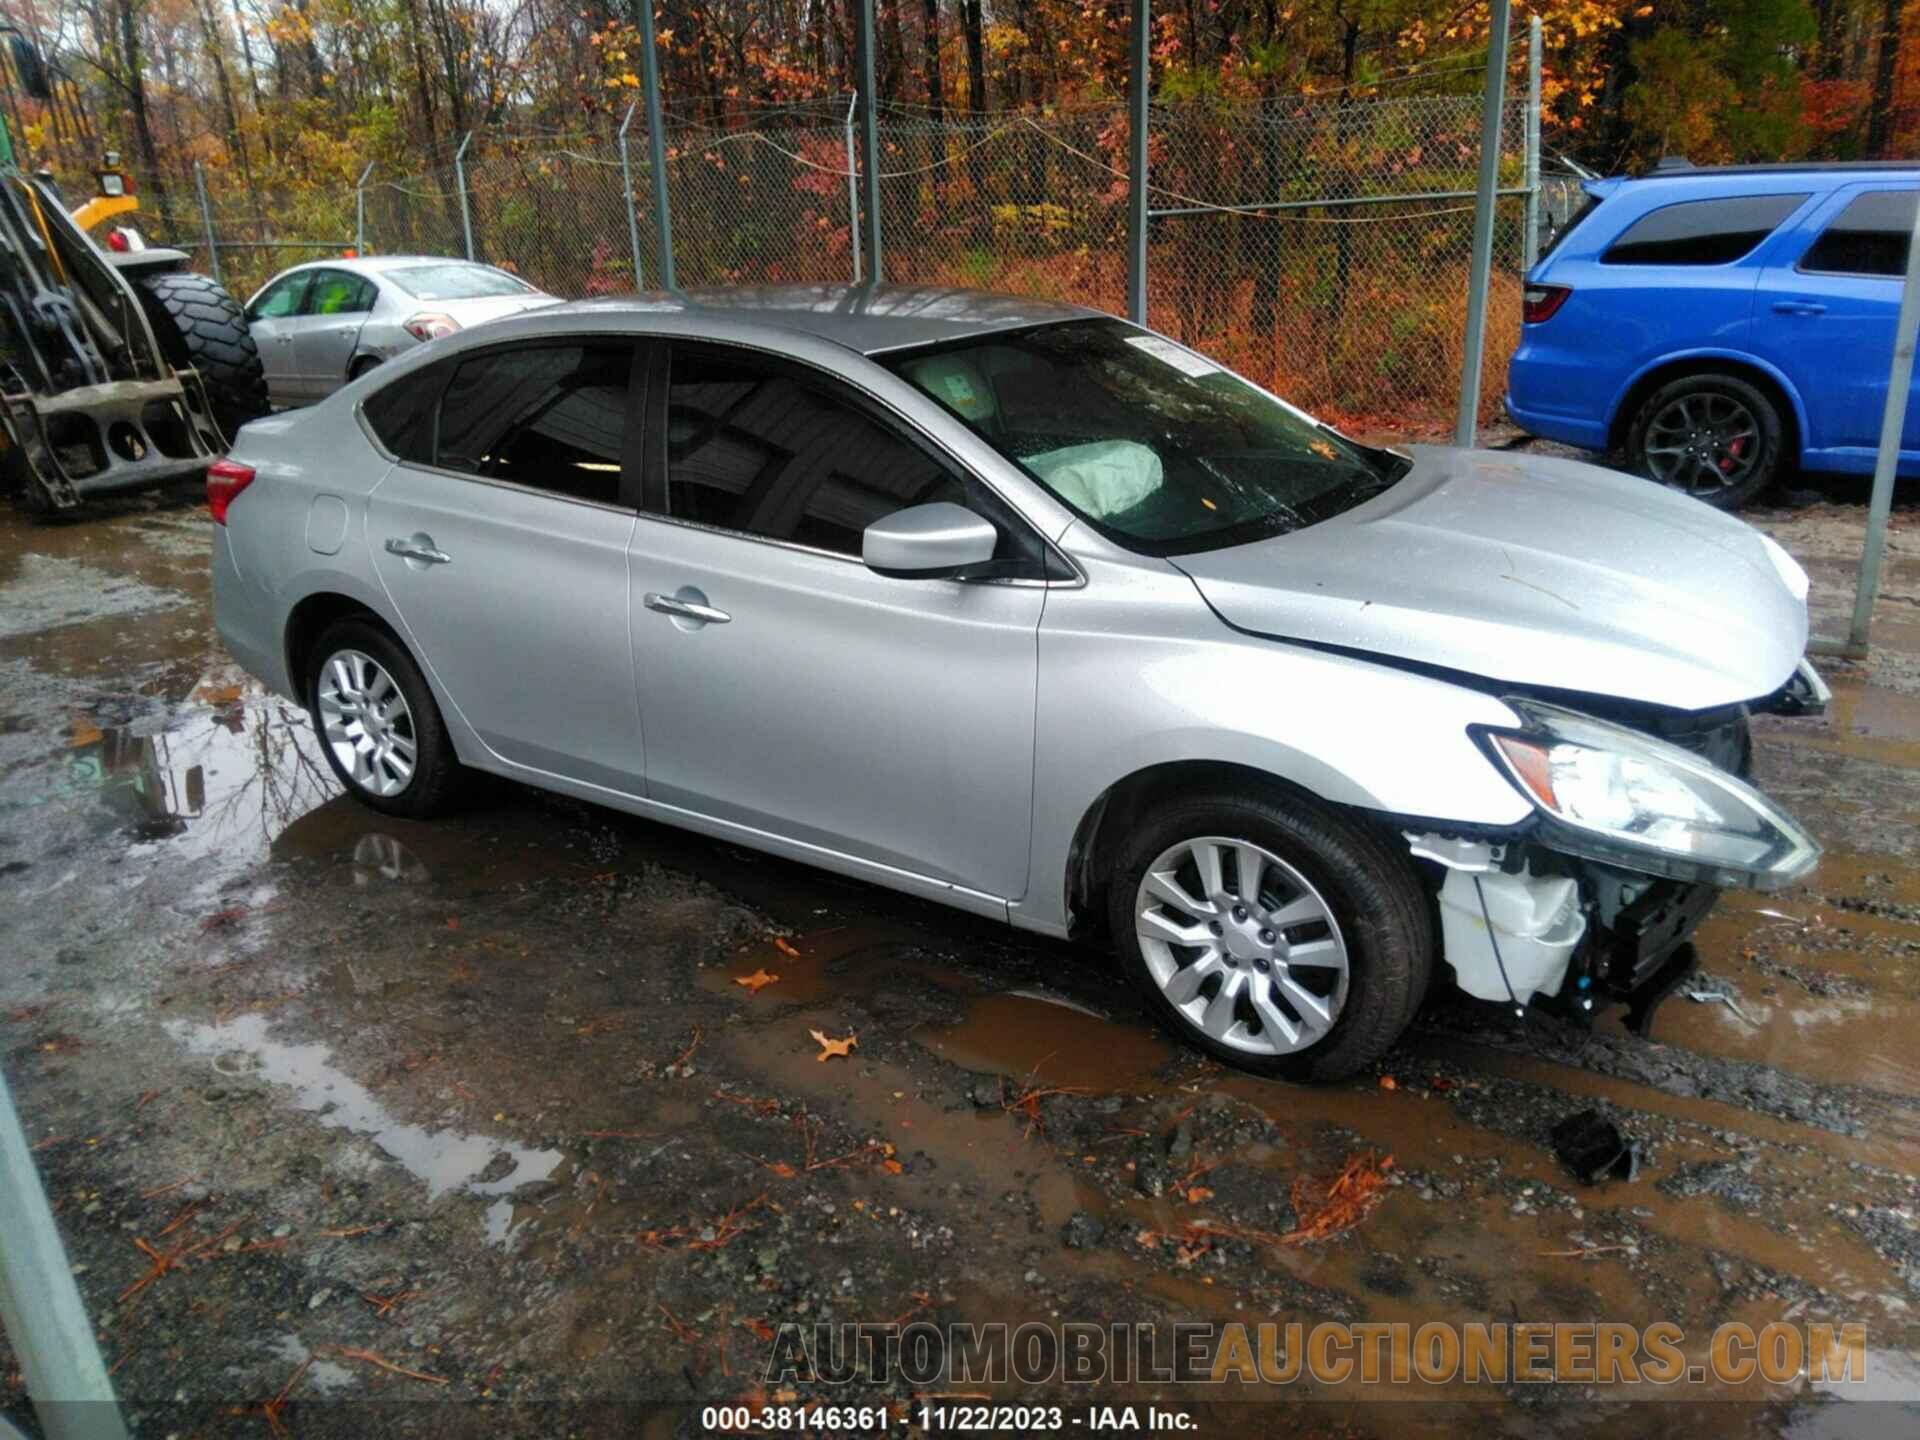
[(1701, 232), (772, 450), (282, 298), (1154, 445), (456, 281), (553, 417), (1869, 237)]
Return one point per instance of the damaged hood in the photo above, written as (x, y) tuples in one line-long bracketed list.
[(1532, 570)]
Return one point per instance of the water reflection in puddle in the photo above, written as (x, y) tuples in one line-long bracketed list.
[(445, 1160), (221, 778)]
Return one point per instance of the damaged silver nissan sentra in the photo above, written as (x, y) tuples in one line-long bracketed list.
[(1024, 609)]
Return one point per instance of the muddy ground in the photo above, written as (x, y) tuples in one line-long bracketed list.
[(475, 1112)]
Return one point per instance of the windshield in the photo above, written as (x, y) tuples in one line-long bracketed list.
[(1154, 445), (457, 282)]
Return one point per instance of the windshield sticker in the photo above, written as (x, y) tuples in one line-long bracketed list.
[(1178, 356)]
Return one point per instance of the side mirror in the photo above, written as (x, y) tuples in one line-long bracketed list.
[(928, 542)]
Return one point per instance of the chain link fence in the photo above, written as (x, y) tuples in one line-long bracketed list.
[(1319, 244)]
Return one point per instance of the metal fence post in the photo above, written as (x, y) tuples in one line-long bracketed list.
[(853, 187), (656, 146), (1139, 46), (869, 136), (206, 220), (1887, 463), (460, 179), (360, 210), (40, 1306), (626, 182), (1466, 427), (1532, 251)]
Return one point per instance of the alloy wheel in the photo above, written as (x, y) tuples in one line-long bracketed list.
[(365, 721), (1703, 443), (1241, 945)]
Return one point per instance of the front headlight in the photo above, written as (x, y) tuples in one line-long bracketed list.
[(1614, 795)]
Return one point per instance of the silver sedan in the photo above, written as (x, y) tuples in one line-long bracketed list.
[(321, 325), (1044, 616)]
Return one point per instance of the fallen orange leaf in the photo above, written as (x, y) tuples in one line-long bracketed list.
[(892, 1167), (1199, 1194), (829, 1048), (1387, 1082), (756, 981), (780, 944)]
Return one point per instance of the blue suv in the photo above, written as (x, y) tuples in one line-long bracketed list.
[(1715, 326)]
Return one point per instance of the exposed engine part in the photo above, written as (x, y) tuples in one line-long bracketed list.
[(1510, 937), (1475, 857)]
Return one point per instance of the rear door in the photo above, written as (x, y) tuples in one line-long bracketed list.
[(272, 318), (1826, 310), (338, 303), (501, 538)]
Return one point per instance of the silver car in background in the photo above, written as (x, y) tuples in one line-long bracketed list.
[(321, 325), (1024, 609)]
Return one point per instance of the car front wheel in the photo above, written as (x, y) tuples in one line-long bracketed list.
[(378, 723), (1716, 437), (1276, 935)]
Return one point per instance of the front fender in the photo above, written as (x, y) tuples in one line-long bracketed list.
[(1349, 731)]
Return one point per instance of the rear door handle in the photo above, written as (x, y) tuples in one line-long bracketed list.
[(1798, 307), (418, 547), (685, 609)]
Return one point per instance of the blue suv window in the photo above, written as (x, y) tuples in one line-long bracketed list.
[(1701, 232), (1869, 237)]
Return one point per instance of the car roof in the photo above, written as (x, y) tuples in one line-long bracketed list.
[(1732, 179), (869, 319)]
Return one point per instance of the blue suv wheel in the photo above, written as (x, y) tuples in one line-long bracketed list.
[(1716, 437)]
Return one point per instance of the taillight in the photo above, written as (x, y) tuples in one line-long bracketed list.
[(430, 326), (225, 479), (1540, 302)]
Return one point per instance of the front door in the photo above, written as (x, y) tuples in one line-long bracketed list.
[(1825, 315), (786, 687), (272, 319), (504, 552)]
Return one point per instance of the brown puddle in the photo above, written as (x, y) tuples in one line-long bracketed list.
[(1051, 1041)]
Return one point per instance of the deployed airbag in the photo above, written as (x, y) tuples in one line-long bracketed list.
[(1100, 479)]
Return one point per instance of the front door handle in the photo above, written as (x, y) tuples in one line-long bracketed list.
[(686, 609), (418, 547), (1798, 307)]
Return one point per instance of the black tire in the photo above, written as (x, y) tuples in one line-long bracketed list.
[(199, 324), (437, 773), (1372, 888), (1718, 391)]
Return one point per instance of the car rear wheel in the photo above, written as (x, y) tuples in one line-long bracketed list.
[(1717, 437), (1274, 934), (377, 721)]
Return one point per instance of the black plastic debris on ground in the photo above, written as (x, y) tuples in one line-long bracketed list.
[(1593, 1148)]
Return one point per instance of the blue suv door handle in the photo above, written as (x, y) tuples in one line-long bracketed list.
[(1798, 307)]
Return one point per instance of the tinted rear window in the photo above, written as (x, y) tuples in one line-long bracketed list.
[(402, 414), (1574, 221), (1869, 237), (1701, 232)]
